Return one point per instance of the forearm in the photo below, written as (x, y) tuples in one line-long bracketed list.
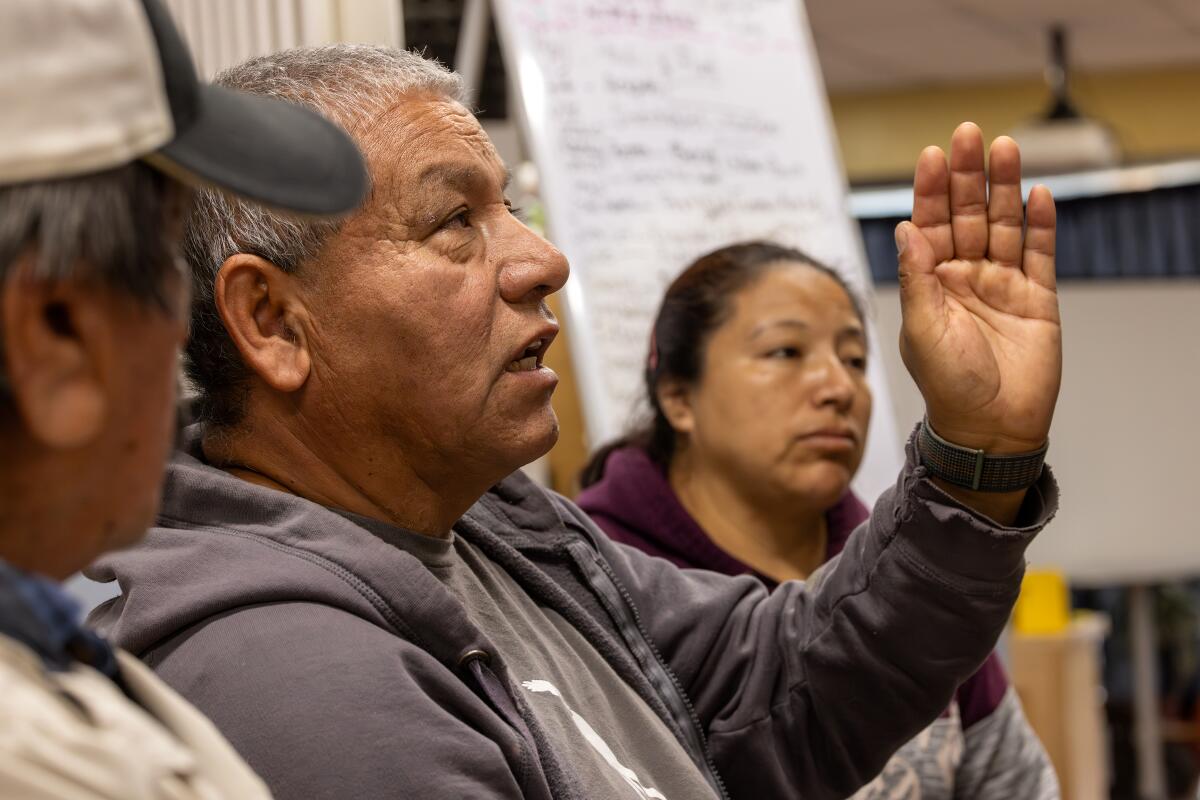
[(860, 663), (907, 625)]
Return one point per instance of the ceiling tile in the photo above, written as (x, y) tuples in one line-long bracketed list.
[(879, 43), (843, 15), (1184, 13)]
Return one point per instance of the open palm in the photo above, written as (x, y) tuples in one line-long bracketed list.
[(981, 334)]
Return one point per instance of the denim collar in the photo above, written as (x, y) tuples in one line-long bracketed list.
[(39, 614)]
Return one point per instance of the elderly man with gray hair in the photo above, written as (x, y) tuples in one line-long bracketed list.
[(352, 577)]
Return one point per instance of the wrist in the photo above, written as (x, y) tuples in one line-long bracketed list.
[(991, 442), (975, 468)]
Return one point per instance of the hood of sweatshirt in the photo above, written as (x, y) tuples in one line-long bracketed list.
[(634, 503), (221, 543)]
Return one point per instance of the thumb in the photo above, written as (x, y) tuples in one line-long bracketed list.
[(920, 290)]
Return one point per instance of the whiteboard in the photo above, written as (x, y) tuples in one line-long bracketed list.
[(663, 129)]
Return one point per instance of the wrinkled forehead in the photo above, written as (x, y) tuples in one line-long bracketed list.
[(423, 143)]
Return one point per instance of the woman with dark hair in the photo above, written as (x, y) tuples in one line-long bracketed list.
[(757, 383)]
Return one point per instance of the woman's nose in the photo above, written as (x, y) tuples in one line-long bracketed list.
[(834, 384)]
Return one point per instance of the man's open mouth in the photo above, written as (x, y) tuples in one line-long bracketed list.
[(530, 358)]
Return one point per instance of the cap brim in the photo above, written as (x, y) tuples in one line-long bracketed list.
[(269, 151)]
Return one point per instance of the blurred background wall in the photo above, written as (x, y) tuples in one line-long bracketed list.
[(1147, 107)]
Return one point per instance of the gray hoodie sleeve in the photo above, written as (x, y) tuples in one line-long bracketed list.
[(402, 730), (810, 692)]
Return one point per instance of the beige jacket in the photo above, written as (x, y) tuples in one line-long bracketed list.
[(74, 734)]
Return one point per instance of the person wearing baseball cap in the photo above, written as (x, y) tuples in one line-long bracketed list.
[(103, 129)]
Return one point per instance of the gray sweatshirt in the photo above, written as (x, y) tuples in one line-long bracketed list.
[(340, 667)]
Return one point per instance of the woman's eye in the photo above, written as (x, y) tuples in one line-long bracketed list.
[(784, 352), (857, 362)]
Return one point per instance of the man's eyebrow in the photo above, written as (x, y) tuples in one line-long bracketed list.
[(456, 176)]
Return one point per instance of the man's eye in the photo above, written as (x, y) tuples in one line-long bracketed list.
[(784, 352), (516, 211), (458, 220), (857, 362)]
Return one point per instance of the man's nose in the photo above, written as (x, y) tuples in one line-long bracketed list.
[(533, 270)]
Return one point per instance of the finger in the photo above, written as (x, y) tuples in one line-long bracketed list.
[(968, 192), (921, 295), (1005, 217), (1038, 258), (931, 201)]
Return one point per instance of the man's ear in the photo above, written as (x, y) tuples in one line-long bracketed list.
[(675, 400), (58, 342), (257, 302)]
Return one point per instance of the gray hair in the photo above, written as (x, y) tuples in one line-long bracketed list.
[(108, 227), (350, 84)]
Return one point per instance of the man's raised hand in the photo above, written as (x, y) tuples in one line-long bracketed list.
[(981, 334)]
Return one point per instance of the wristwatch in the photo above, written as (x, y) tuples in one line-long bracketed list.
[(975, 469)]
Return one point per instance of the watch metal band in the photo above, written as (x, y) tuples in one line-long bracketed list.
[(975, 469)]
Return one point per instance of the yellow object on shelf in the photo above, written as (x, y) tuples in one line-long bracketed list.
[(1043, 606)]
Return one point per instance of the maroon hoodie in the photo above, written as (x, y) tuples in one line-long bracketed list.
[(635, 505)]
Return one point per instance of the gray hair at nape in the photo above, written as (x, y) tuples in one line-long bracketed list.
[(351, 84), (107, 229)]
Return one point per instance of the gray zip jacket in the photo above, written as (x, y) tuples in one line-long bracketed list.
[(340, 667)]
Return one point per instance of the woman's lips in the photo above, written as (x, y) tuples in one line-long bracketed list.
[(833, 441)]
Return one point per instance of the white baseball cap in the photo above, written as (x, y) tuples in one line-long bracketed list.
[(88, 85)]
